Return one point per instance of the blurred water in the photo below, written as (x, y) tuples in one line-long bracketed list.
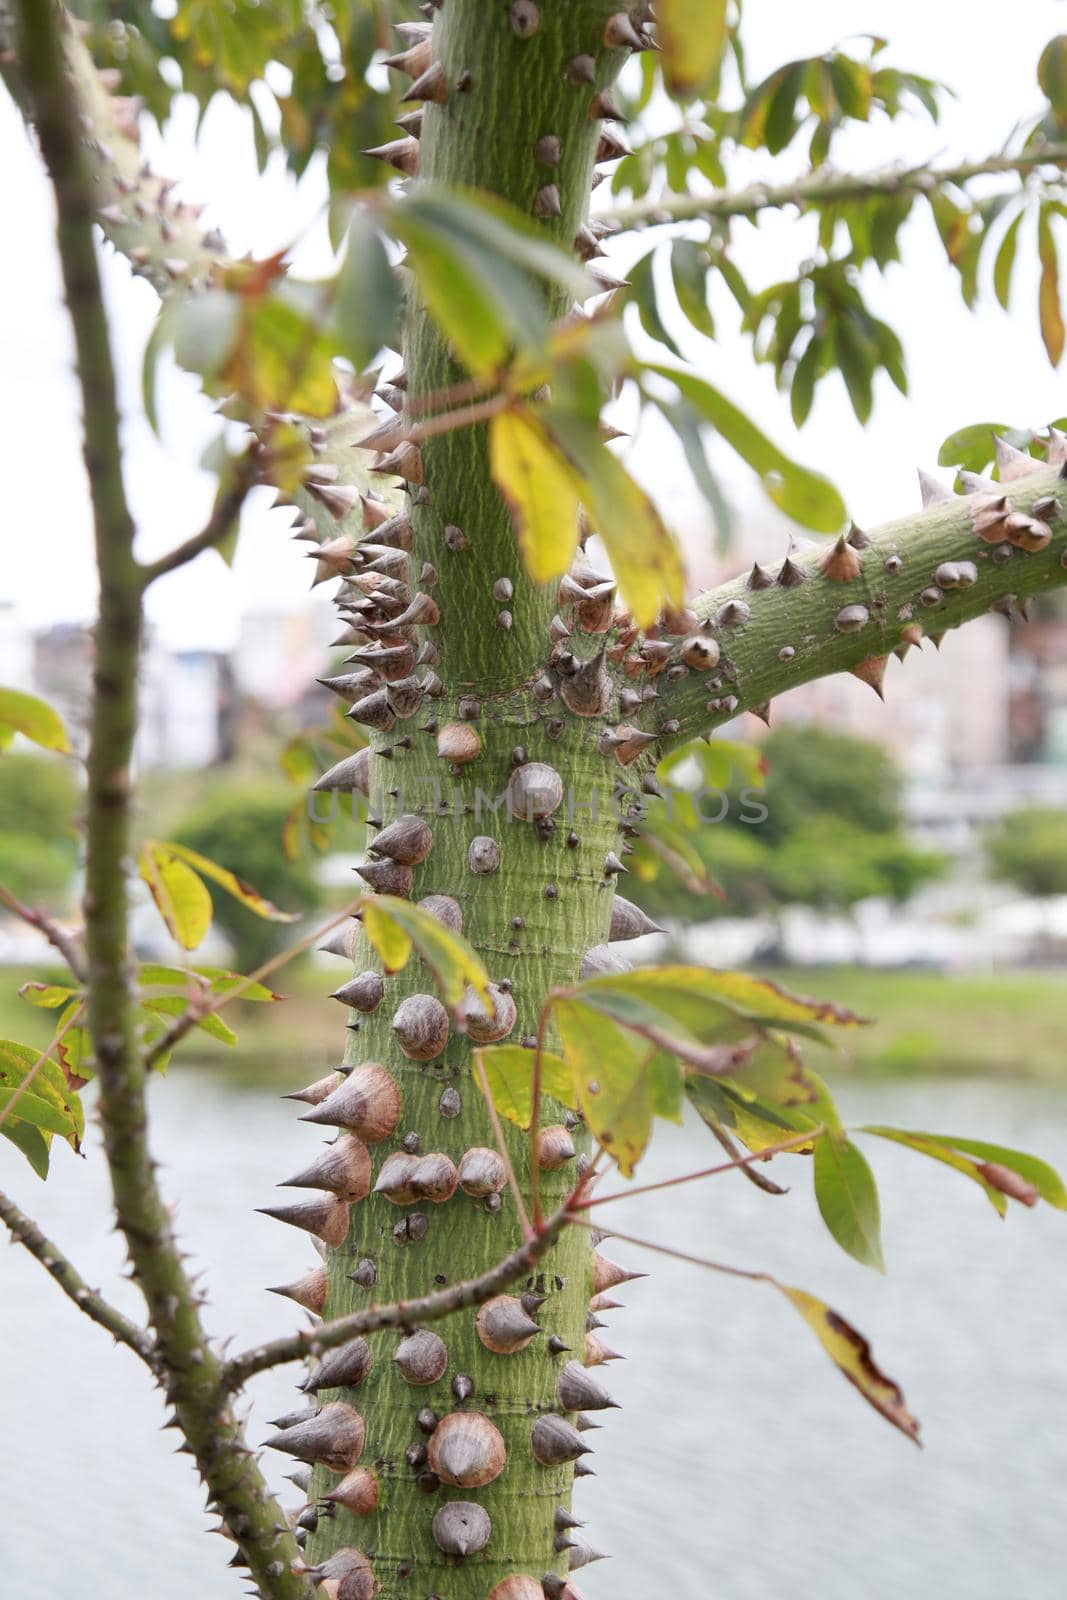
[(742, 1467)]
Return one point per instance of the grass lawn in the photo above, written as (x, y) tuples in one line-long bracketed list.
[(1011, 1024)]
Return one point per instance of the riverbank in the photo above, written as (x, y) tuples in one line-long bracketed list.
[(986, 1025)]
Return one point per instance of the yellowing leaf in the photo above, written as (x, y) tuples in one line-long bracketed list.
[(644, 555), (540, 489), (385, 934), (393, 926), (615, 1092), (692, 35), (235, 886), (509, 1072), (183, 901), (851, 1354), (1049, 307), (46, 995), (25, 714)]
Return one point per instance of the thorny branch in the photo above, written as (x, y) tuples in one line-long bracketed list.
[(57, 937), (190, 1365), (406, 1313), (24, 1231), (826, 187)]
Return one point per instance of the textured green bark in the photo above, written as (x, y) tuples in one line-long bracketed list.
[(897, 569), (531, 921)]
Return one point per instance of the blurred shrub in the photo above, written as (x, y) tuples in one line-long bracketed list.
[(239, 823), (833, 835), (1029, 849), (39, 800)]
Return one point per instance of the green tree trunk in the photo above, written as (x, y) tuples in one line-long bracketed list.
[(515, 76)]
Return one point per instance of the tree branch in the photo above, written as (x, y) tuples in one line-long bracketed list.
[(224, 514), (825, 187), (406, 1313), (191, 1367), (913, 579), (57, 937), (24, 1231)]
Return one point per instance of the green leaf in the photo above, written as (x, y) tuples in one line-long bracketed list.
[(805, 496), (926, 1146), (31, 1141), (802, 388), (971, 448), (666, 1085), (394, 926), (644, 555), (32, 1108), (216, 980), (614, 1090), (1004, 264), (509, 1074), (848, 1198), (46, 995), (692, 35), (235, 886), (204, 328), (540, 488), (34, 718), (1052, 75), (706, 1001), (689, 271), (18, 1060), (172, 1005), (1048, 299), (851, 1354), (487, 223), (855, 365), (772, 1078), (478, 267), (642, 294), (1045, 1179), (366, 297)]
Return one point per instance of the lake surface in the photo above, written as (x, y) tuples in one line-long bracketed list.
[(742, 1467)]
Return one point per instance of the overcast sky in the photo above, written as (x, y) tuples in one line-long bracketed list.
[(963, 368)]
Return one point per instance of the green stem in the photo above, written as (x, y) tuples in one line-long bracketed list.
[(827, 188)]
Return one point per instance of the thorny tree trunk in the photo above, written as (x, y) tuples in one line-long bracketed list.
[(513, 109), (443, 1460)]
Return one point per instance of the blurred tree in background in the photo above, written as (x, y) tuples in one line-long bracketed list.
[(833, 835), (39, 801), (1029, 849)]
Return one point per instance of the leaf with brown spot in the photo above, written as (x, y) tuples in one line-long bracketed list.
[(851, 1354)]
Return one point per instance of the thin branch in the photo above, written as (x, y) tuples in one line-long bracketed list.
[(57, 937), (739, 1164), (192, 1368), (199, 1009), (462, 417), (224, 515), (404, 1314), (680, 1255), (498, 1135), (826, 187), (24, 1231), (57, 1038), (757, 1179)]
